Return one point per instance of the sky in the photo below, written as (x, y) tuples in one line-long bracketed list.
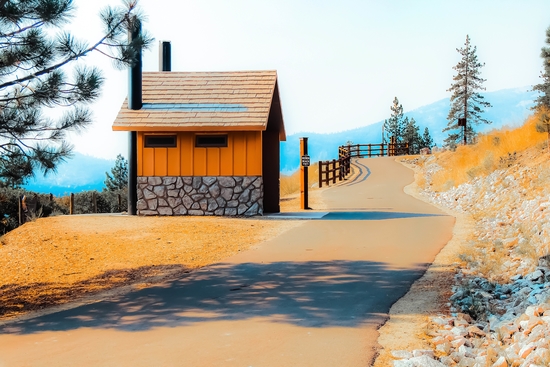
[(339, 63)]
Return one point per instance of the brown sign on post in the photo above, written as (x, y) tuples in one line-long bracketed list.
[(304, 174), (462, 121)]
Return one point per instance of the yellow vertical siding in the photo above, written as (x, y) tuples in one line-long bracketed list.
[(239, 154), (241, 157), (186, 153), (226, 158), (199, 162), (254, 155), (174, 155), (140, 154), (161, 161), (213, 161)]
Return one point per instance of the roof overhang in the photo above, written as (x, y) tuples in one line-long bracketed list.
[(204, 102)]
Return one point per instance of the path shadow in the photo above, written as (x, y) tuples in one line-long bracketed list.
[(343, 214), (17, 298), (313, 294), (374, 215)]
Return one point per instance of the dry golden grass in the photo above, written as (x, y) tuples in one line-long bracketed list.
[(493, 150), (56, 260), (290, 184), (523, 153)]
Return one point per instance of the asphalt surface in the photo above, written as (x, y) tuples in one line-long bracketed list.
[(313, 296)]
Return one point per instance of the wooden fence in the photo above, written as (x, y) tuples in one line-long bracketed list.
[(337, 169), (29, 206), (376, 150)]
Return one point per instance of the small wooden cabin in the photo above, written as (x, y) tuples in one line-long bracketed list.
[(207, 143)]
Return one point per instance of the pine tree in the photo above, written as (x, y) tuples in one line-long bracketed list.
[(543, 100), (119, 178), (466, 101), (412, 136), (394, 126), (36, 56), (427, 141)]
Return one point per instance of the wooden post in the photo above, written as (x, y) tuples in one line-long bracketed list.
[(94, 202), (327, 172), (303, 175), (320, 174), (21, 214), (71, 204)]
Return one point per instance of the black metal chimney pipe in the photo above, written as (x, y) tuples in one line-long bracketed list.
[(134, 103), (165, 56)]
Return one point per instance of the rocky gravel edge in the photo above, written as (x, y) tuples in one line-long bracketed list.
[(502, 320)]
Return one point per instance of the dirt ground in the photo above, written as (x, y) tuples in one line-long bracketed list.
[(60, 262), (53, 261)]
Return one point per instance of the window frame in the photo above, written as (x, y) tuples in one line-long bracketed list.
[(211, 145), (146, 144)]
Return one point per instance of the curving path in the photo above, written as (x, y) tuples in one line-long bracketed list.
[(313, 296)]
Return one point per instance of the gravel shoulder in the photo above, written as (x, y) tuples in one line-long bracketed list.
[(408, 323)]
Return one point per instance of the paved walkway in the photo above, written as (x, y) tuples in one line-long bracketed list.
[(313, 296)]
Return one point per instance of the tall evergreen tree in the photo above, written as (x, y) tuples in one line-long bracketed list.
[(412, 136), (427, 141), (466, 101), (543, 100), (119, 178), (36, 56), (394, 126)]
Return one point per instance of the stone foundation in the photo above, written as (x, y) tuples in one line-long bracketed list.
[(210, 195)]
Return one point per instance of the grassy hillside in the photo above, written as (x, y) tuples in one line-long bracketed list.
[(498, 149)]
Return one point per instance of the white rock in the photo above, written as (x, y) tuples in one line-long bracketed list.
[(402, 354), (425, 361), (501, 362)]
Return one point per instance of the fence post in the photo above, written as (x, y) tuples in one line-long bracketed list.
[(71, 204), (327, 172), (334, 171), (321, 172), (21, 215), (304, 175), (94, 202)]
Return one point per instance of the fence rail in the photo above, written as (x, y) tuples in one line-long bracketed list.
[(376, 150), (337, 169), (30, 207)]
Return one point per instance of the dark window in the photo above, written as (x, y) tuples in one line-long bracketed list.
[(161, 141), (211, 141)]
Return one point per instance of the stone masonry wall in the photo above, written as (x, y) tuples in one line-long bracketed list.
[(209, 195)]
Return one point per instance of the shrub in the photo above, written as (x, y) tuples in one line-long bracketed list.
[(9, 207)]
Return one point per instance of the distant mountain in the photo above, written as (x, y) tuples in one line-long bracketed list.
[(80, 173), (510, 108)]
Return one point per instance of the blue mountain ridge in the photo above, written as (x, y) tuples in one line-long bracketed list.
[(79, 173), (510, 108)]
